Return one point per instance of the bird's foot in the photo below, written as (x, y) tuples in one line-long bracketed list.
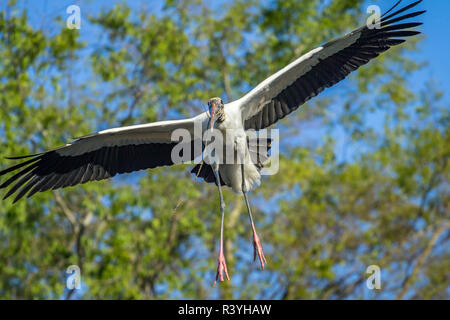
[(257, 248), (221, 267)]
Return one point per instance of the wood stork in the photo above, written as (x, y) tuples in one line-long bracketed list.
[(104, 154)]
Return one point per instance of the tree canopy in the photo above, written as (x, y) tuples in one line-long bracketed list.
[(363, 176)]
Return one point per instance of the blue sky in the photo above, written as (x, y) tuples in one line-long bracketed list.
[(434, 50)]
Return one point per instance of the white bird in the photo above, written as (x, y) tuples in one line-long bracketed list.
[(104, 154)]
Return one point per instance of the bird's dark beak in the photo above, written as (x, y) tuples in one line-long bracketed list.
[(212, 117)]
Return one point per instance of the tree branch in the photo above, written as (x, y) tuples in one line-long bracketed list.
[(422, 258)]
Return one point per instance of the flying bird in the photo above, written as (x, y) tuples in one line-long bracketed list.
[(106, 153)]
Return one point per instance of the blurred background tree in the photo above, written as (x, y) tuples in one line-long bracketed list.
[(363, 174)]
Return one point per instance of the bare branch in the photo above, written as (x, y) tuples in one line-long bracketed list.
[(422, 258), (65, 209)]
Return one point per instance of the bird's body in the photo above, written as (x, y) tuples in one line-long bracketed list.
[(107, 153), (235, 139), (231, 175)]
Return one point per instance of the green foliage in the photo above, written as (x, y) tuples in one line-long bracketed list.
[(370, 188)]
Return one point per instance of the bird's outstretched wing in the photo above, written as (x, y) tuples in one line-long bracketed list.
[(306, 77), (99, 156)]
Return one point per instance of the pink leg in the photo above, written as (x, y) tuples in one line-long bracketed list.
[(257, 248), (221, 266)]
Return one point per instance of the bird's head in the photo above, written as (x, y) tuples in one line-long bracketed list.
[(216, 112)]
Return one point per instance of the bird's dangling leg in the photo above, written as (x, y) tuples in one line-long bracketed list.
[(257, 247), (221, 266)]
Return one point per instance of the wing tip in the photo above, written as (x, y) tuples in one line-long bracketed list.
[(395, 6), (385, 19), (7, 195), (17, 198), (24, 157)]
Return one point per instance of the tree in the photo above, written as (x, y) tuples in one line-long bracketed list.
[(362, 181)]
